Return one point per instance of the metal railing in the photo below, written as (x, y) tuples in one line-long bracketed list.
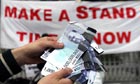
[(122, 68)]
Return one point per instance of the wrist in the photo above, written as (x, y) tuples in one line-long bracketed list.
[(18, 55)]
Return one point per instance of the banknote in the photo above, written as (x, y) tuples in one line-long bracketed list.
[(68, 56), (48, 69)]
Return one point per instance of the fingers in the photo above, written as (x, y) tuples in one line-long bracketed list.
[(65, 81), (52, 38), (52, 42), (57, 77), (62, 73)]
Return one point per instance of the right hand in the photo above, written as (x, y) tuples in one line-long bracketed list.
[(57, 77)]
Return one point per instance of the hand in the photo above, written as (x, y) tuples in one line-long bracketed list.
[(57, 77), (30, 53)]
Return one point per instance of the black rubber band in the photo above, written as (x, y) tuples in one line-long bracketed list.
[(92, 30)]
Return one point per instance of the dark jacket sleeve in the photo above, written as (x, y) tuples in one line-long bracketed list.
[(8, 65)]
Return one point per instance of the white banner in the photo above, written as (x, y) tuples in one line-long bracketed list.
[(117, 23)]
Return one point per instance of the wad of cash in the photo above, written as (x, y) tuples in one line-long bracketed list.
[(80, 53)]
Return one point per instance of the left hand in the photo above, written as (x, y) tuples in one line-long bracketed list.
[(30, 53)]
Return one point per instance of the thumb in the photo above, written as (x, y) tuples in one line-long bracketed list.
[(62, 73)]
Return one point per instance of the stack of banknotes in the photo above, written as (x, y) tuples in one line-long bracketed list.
[(80, 53)]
